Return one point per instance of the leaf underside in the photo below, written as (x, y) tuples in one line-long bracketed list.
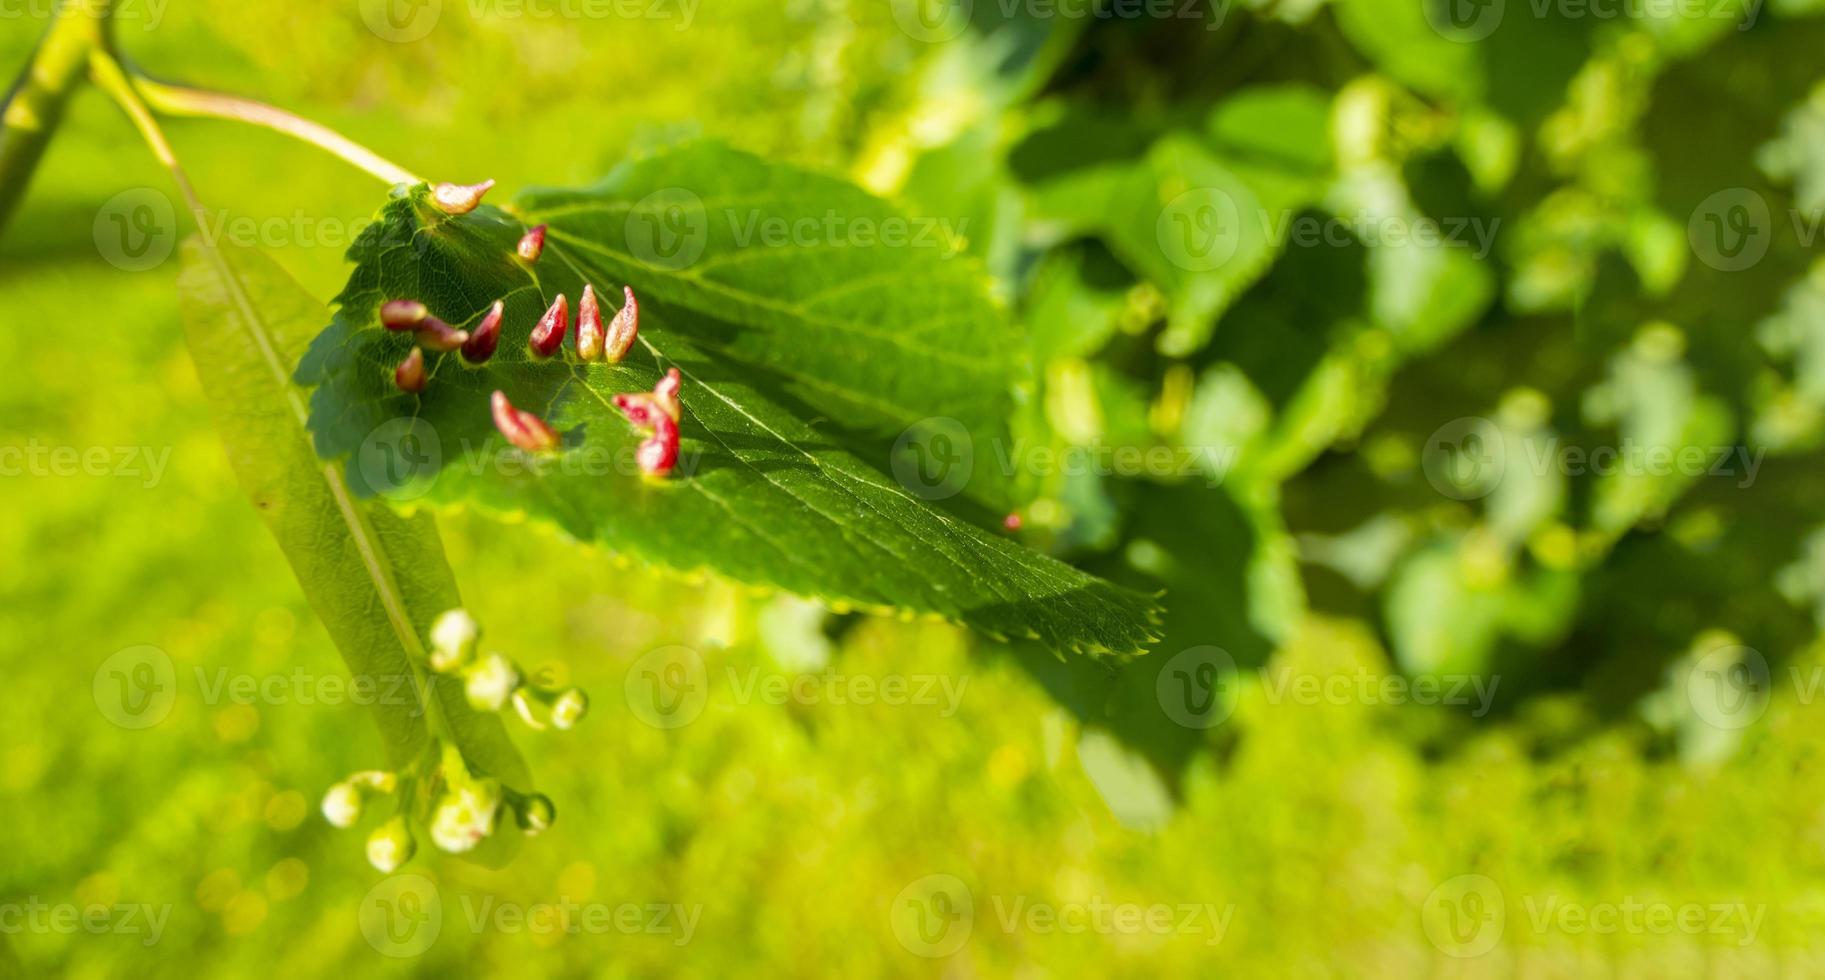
[(375, 579)]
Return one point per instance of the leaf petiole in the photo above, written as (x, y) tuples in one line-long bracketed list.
[(107, 75), (184, 101)]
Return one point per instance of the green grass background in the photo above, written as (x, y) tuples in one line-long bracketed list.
[(793, 827)]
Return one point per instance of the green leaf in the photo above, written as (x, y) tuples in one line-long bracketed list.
[(797, 359), (1518, 62), (1275, 131), (1077, 302), (826, 298), (375, 579), (1200, 225)]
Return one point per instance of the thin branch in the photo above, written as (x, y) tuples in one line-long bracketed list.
[(35, 103), (108, 76), (180, 100)]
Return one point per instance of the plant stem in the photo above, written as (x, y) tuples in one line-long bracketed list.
[(35, 104), (179, 100), (108, 76), (80, 30)]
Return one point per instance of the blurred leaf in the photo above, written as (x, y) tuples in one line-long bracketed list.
[(1199, 229), (1452, 602), (375, 579), (1076, 303), (1230, 584), (1275, 133), (1132, 789), (1516, 58), (1798, 156)]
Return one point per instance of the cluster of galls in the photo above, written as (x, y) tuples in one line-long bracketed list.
[(595, 342), (460, 807), (657, 414)]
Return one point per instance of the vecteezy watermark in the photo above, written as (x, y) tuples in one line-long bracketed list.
[(937, 914), (1728, 687), (669, 687), (1160, 462), (136, 229), (567, 916), (934, 459), (137, 687), (933, 916), (936, 21), (1201, 229), (1475, 234), (308, 688), (672, 227), (1732, 229), (1467, 458), (585, 460), (1731, 686), (399, 459), (402, 915), (1631, 916), (37, 459), (668, 228), (405, 21), (1467, 915), (299, 229), (1199, 687), (36, 916), (1467, 21), (753, 229), (146, 14)]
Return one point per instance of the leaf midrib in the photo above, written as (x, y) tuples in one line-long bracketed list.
[(839, 477), (360, 531)]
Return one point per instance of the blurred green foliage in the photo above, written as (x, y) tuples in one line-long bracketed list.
[(1314, 544)]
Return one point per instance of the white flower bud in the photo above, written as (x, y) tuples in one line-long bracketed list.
[(491, 682), (534, 813), (464, 818), (342, 805), (453, 639), (453, 827), (375, 780), (390, 845), (569, 708)]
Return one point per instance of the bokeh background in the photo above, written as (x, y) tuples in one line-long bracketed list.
[(1649, 178)]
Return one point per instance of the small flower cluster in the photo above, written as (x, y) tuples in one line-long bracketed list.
[(492, 681), (596, 341), (460, 807)]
